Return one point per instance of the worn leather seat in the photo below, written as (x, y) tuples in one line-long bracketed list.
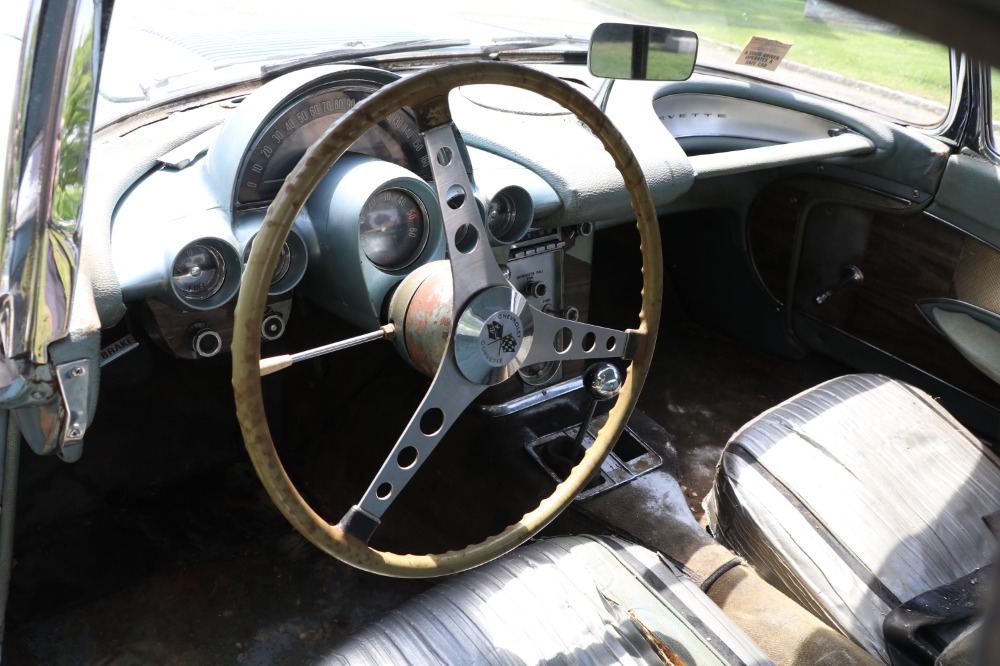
[(569, 600), (855, 497)]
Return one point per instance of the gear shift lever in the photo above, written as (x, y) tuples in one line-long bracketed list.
[(602, 381), (559, 452)]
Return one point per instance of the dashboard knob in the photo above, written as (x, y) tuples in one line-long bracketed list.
[(536, 289), (206, 343), (273, 326)]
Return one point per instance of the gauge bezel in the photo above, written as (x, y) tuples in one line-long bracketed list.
[(298, 261), (425, 229), (232, 267), (524, 214), (212, 288)]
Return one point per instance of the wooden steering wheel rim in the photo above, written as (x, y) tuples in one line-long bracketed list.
[(300, 183)]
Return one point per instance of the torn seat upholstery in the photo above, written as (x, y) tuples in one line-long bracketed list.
[(855, 497), (568, 600)]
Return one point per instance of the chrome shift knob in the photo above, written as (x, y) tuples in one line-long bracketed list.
[(603, 381)]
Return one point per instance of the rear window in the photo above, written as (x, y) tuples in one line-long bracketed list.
[(835, 52)]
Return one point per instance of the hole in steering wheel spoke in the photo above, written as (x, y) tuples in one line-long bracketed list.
[(384, 491), (431, 421), (444, 156), (563, 340), (589, 342), (407, 457), (466, 238), (455, 197)]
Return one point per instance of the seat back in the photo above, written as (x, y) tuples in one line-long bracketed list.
[(856, 496), (569, 600)]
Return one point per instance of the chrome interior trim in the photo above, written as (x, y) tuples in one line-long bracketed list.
[(697, 114), (532, 399), (49, 140)]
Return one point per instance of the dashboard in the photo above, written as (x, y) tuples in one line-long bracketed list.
[(181, 233)]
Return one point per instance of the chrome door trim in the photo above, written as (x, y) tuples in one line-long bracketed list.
[(48, 150)]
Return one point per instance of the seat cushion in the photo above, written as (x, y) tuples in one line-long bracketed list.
[(570, 600), (855, 496)]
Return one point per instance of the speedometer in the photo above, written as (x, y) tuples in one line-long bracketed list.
[(278, 147)]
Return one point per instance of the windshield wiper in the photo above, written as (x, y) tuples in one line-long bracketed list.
[(268, 72), (503, 44), (531, 49)]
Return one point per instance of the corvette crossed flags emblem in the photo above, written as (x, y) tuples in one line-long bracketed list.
[(507, 342)]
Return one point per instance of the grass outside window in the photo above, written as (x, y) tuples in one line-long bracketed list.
[(834, 58)]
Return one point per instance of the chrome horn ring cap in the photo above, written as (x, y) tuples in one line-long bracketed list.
[(493, 335)]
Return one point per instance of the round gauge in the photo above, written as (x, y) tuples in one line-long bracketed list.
[(539, 374), (280, 143), (199, 272), (393, 229), (284, 261), (502, 215)]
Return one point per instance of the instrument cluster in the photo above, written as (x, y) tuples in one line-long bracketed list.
[(182, 235)]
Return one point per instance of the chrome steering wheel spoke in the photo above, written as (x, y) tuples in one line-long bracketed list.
[(475, 277), (558, 339), (473, 266), (447, 398)]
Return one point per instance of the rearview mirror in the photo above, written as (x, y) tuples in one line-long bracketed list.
[(644, 52)]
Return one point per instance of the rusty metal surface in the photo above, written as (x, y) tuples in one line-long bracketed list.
[(433, 113), (427, 320), (299, 184)]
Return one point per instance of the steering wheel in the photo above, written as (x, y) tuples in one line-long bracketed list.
[(497, 331)]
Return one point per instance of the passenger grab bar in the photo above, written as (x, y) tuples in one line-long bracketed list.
[(753, 159)]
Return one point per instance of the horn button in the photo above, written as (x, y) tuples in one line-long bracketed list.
[(493, 335)]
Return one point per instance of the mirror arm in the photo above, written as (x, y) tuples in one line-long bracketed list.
[(640, 52)]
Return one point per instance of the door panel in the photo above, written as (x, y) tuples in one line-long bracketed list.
[(802, 242)]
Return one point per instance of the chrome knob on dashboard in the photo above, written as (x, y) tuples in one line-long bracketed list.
[(536, 289), (273, 326), (205, 342)]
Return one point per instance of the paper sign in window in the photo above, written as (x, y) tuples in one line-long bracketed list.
[(763, 53)]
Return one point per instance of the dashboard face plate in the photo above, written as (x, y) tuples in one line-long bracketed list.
[(279, 145)]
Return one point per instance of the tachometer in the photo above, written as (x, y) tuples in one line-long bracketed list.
[(393, 229), (280, 145)]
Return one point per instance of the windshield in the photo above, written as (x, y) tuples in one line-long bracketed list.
[(160, 50)]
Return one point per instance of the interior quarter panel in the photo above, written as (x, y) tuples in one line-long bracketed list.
[(969, 196)]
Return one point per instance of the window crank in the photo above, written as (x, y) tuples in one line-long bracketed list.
[(851, 276)]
